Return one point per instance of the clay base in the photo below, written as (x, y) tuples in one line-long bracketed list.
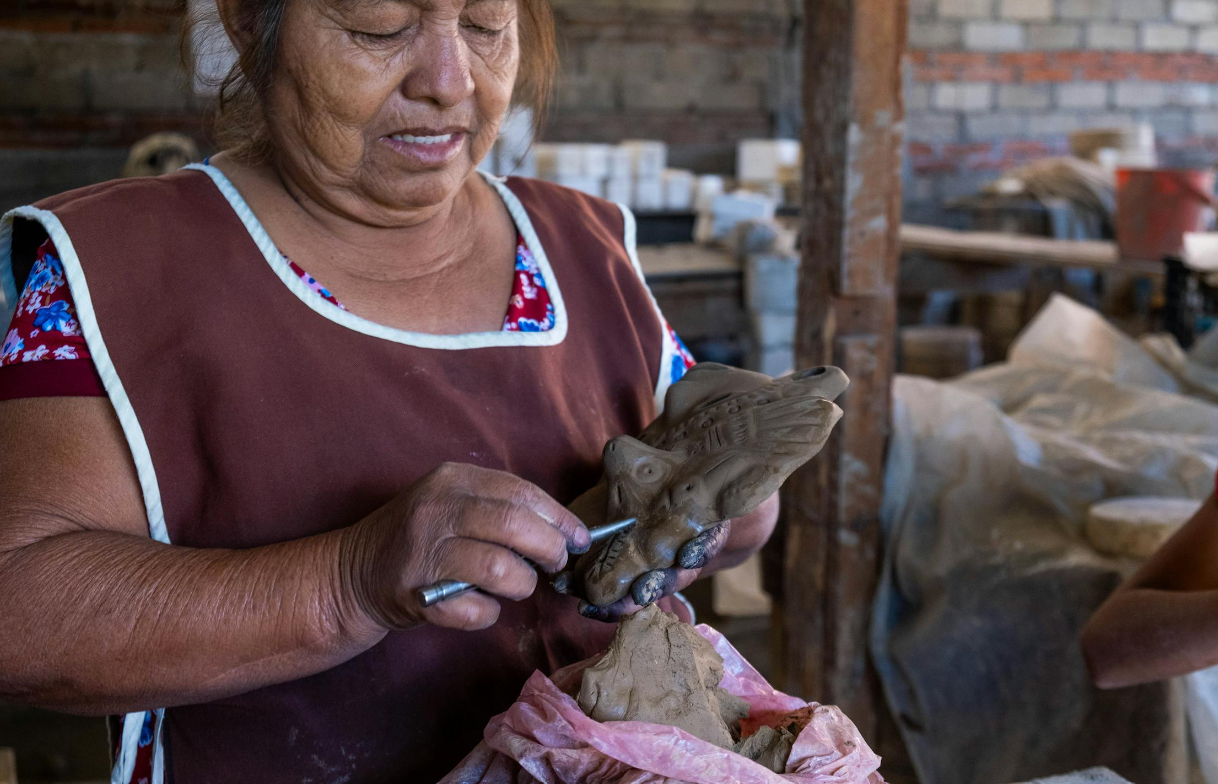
[(661, 671)]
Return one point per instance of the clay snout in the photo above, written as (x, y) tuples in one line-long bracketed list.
[(825, 381)]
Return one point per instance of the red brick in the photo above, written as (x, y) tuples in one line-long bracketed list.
[(918, 149), (1155, 72), (965, 59), (1136, 59), (989, 73), (1048, 75), (920, 57), (1189, 60), (1084, 59), (1105, 74), (987, 164), (1206, 73), (1025, 148), (1023, 58), (936, 73)]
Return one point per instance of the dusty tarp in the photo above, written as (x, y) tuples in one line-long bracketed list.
[(988, 579)]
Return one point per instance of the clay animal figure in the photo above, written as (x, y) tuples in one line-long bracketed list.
[(726, 442)]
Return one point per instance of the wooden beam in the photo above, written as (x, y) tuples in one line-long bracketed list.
[(993, 248), (830, 538)]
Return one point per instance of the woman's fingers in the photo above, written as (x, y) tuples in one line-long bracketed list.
[(490, 567), (469, 612), (518, 528), (702, 549), (652, 586), (647, 589), (500, 485)]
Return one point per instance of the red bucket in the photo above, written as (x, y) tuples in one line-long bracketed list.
[(1157, 207)]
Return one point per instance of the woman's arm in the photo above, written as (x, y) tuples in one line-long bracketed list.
[(97, 618), (1163, 621)]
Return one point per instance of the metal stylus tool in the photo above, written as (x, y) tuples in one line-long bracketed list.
[(446, 589)]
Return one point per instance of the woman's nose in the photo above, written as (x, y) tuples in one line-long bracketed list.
[(441, 72)]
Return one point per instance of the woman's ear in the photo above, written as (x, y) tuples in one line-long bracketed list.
[(236, 21)]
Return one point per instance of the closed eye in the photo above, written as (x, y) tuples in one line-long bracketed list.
[(480, 30), (379, 37)]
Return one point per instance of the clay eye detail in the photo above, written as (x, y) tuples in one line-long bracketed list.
[(646, 471)]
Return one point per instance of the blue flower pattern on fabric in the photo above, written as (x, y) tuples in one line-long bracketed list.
[(682, 359), (53, 317), (678, 368), (146, 730)]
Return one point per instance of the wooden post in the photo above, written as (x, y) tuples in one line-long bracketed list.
[(830, 538)]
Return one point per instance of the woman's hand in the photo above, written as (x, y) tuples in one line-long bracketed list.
[(695, 556), (459, 522), (726, 545)]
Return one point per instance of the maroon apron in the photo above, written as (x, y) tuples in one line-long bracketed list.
[(266, 422)]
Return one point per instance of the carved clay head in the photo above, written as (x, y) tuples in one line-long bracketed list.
[(726, 442)]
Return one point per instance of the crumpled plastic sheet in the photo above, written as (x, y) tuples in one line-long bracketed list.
[(545, 737), (988, 576)]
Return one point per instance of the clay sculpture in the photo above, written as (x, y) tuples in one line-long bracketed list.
[(661, 671), (726, 442)]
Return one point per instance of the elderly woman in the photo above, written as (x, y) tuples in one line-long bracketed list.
[(221, 482)]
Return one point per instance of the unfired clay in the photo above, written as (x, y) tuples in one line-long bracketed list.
[(661, 671), (726, 442)]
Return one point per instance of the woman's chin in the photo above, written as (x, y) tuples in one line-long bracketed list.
[(417, 192)]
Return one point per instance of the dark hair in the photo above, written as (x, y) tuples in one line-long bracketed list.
[(240, 121)]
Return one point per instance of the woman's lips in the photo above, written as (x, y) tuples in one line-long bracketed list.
[(426, 149)]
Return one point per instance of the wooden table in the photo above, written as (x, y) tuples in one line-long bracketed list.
[(975, 262)]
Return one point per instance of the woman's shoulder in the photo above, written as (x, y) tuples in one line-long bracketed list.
[(543, 196), (159, 195)]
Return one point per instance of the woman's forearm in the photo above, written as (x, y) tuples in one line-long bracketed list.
[(1142, 635), (98, 622)]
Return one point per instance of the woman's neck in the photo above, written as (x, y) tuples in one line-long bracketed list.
[(447, 255)]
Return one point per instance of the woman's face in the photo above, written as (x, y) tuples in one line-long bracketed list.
[(380, 109)]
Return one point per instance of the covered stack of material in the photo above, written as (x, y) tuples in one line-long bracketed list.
[(989, 576), (1085, 191)]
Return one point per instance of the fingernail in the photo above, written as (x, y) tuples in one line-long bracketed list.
[(692, 555), (648, 588), (588, 610), (562, 582), (582, 541)]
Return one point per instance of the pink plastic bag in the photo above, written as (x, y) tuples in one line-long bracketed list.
[(545, 737)]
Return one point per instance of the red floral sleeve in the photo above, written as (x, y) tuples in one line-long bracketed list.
[(44, 354)]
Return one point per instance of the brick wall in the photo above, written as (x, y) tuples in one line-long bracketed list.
[(700, 74), (80, 80), (994, 83)]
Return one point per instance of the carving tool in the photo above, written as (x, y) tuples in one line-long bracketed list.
[(446, 589)]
